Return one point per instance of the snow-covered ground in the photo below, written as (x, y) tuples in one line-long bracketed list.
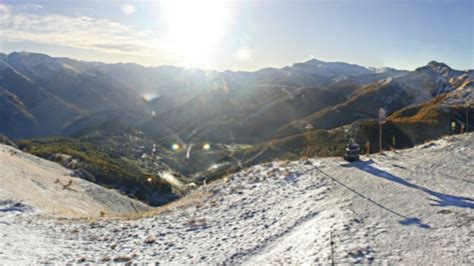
[(406, 207), (53, 190)]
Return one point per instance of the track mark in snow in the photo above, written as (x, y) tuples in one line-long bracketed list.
[(241, 255)]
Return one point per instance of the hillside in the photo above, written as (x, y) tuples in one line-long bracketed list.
[(412, 206), (55, 190), (393, 94), (437, 117), (112, 161), (58, 92)]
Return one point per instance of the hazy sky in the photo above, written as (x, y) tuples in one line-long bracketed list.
[(244, 35)]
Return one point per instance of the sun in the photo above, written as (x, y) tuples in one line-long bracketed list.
[(195, 28)]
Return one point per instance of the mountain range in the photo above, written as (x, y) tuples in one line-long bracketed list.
[(46, 96)]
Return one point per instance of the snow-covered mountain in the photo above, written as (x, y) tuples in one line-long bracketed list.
[(413, 206), (392, 94), (64, 95), (61, 96), (331, 68)]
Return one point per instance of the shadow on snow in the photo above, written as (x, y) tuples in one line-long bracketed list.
[(441, 199), (406, 220)]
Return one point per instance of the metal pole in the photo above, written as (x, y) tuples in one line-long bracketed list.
[(308, 128), (308, 136), (467, 119), (382, 117), (380, 137)]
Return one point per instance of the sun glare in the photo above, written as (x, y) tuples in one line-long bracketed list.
[(175, 147), (243, 54), (128, 9), (195, 28), (150, 96)]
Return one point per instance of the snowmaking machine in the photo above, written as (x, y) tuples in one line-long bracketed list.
[(352, 151)]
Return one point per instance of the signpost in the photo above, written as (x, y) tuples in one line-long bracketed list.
[(467, 118), (308, 128), (382, 117)]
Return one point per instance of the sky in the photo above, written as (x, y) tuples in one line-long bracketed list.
[(244, 35)]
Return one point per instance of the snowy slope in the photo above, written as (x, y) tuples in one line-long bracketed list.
[(53, 190), (462, 95), (407, 207)]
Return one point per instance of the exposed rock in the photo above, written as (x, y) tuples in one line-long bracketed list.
[(5, 140)]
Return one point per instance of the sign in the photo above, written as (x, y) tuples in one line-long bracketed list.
[(382, 115)]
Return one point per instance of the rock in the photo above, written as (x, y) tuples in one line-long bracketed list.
[(60, 158), (84, 174), (73, 163), (122, 259), (105, 259), (149, 240), (5, 140)]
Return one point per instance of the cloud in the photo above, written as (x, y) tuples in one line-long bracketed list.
[(4, 9), (29, 7), (78, 32)]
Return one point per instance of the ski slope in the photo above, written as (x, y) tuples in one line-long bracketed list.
[(414, 206)]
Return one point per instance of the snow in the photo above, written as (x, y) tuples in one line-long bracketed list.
[(52, 189), (413, 206), (386, 81), (463, 95), (70, 68)]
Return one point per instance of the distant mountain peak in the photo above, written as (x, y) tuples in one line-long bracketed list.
[(383, 69), (331, 68), (30, 58), (439, 68), (436, 64), (25, 53), (314, 60)]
